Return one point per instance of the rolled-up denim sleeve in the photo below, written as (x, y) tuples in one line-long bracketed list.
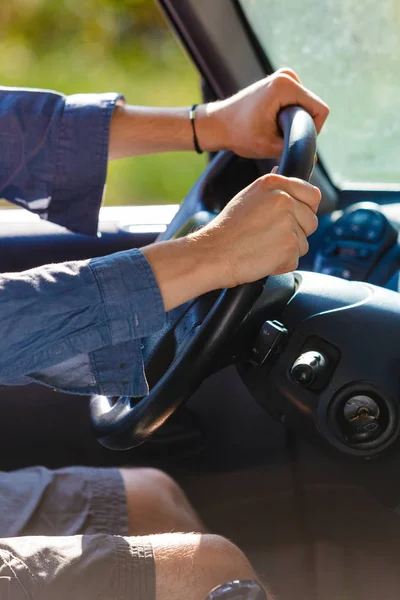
[(54, 152), (77, 326)]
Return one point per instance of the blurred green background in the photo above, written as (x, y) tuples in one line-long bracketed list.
[(106, 45)]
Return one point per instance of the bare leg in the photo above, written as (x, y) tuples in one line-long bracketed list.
[(156, 504), (190, 565)]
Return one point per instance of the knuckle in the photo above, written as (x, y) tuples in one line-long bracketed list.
[(282, 81), (270, 181), (285, 203), (287, 71)]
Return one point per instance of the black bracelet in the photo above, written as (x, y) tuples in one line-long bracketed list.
[(192, 117)]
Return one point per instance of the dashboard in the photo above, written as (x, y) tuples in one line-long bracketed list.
[(359, 243)]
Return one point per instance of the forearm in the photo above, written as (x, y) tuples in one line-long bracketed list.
[(185, 268), (245, 123), (144, 130)]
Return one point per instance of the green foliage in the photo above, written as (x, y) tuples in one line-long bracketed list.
[(106, 45), (112, 23)]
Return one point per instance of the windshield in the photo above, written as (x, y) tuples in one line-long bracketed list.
[(348, 52)]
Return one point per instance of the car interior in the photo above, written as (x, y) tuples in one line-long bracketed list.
[(274, 405)]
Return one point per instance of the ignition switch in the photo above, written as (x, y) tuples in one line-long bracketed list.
[(362, 416)]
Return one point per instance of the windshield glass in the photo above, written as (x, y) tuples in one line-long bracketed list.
[(348, 52)]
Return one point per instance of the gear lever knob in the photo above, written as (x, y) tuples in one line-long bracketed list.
[(238, 590)]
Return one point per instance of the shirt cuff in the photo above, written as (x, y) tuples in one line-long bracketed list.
[(134, 309), (132, 298), (81, 162)]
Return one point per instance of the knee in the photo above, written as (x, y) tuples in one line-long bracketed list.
[(156, 482), (149, 489), (222, 561), (156, 503), (202, 561)]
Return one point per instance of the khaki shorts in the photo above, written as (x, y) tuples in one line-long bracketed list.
[(64, 535)]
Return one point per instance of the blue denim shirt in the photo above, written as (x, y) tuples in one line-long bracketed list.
[(74, 326)]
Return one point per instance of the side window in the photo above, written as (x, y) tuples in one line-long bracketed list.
[(111, 45)]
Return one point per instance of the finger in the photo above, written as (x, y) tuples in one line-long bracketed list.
[(275, 169), (303, 242), (304, 192), (290, 73), (305, 217), (297, 188), (298, 94)]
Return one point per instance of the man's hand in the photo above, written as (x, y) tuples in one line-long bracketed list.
[(247, 122), (262, 231)]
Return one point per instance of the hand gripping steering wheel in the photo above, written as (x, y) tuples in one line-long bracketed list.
[(123, 423)]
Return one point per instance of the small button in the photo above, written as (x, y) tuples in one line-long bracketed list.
[(372, 235), (339, 230), (346, 274), (364, 253)]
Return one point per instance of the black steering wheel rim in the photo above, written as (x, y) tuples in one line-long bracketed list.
[(122, 424)]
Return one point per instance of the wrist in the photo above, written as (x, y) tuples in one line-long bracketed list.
[(210, 126), (184, 268), (210, 267), (213, 259)]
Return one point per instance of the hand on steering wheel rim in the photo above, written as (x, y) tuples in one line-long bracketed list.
[(127, 422)]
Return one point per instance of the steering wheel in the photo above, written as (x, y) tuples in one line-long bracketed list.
[(123, 423)]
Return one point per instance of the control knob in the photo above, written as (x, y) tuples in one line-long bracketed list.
[(308, 367)]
